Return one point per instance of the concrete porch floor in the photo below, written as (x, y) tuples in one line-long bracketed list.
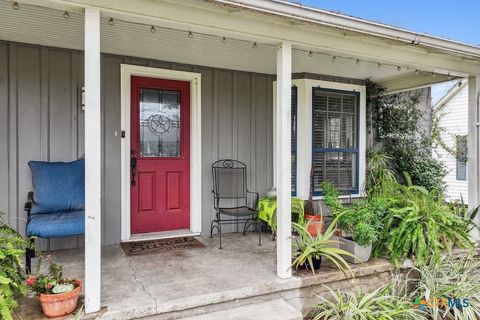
[(174, 284)]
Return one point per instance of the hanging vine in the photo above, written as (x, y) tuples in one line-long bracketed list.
[(459, 150), (394, 124)]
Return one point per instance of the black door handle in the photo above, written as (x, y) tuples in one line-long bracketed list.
[(133, 166)]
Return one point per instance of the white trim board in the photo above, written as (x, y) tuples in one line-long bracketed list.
[(304, 131), (127, 71), (93, 163)]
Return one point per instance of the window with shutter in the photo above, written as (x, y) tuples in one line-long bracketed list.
[(294, 140), (335, 139)]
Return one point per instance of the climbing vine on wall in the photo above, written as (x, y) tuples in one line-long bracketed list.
[(458, 150), (394, 122)]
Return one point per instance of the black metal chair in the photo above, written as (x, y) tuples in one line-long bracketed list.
[(233, 202)]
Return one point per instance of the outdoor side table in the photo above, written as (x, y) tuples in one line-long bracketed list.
[(267, 211)]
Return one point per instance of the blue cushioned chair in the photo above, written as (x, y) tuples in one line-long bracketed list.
[(56, 206)]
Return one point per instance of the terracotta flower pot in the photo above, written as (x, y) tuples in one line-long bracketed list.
[(315, 224), (60, 304)]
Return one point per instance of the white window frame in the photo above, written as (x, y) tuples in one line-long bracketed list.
[(127, 71), (304, 132)]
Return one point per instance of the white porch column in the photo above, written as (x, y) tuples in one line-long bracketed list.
[(283, 159), (473, 145), (93, 163)]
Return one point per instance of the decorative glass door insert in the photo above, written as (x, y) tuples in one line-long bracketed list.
[(160, 123)]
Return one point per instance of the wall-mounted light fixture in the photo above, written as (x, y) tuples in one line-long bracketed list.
[(82, 98)]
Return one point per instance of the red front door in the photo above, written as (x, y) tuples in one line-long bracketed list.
[(160, 155)]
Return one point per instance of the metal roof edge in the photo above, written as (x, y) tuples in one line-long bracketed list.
[(337, 20)]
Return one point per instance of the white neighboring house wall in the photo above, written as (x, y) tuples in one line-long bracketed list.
[(453, 112)]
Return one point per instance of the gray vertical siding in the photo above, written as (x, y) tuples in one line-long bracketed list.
[(41, 119), (4, 131)]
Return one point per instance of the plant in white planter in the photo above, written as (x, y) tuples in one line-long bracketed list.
[(359, 221)]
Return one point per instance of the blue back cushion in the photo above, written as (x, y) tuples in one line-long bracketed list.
[(58, 186)]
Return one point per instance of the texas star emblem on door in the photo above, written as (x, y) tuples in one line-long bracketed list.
[(160, 155)]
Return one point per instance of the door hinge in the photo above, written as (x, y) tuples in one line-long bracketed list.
[(123, 134)]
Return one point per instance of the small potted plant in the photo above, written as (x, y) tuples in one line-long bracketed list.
[(359, 223), (58, 295), (311, 250), (358, 233)]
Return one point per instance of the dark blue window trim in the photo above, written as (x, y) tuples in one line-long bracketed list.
[(355, 189), (294, 138)]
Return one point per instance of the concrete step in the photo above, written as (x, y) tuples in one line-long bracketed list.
[(277, 309)]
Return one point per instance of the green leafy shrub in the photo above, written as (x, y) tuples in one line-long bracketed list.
[(414, 221), (361, 219), (416, 157), (12, 275), (331, 198), (380, 177), (418, 223)]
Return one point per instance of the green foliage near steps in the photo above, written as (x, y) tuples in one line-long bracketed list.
[(383, 303), (449, 279), (444, 289), (12, 276)]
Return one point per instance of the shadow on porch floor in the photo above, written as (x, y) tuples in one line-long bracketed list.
[(192, 281)]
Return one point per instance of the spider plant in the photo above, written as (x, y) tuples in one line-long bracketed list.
[(382, 303), (322, 245), (389, 302), (444, 281)]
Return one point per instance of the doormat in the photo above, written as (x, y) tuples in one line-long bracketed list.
[(136, 248)]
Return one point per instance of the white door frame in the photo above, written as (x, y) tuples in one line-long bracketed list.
[(127, 71)]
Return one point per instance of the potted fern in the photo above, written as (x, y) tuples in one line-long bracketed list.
[(311, 250), (58, 295)]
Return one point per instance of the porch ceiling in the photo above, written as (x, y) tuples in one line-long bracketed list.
[(48, 27)]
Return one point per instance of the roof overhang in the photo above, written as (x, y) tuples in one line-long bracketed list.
[(270, 22), (299, 12)]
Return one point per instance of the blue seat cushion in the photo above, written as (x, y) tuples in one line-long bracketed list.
[(57, 224), (58, 186)]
